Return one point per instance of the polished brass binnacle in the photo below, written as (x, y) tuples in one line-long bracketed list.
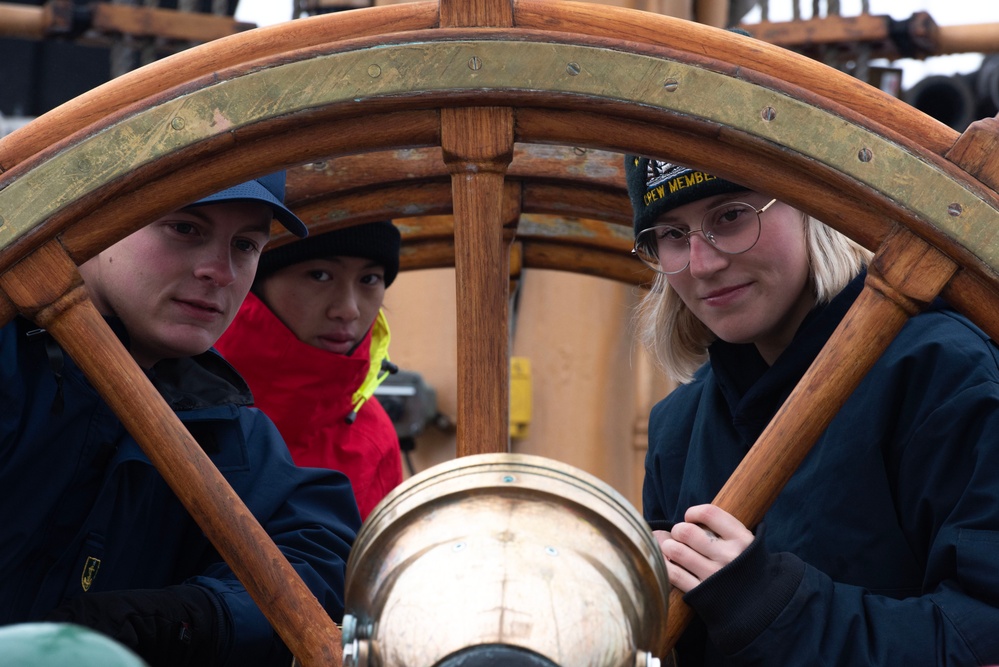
[(505, 553)]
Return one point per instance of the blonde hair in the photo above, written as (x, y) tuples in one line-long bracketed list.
[(678, 341)]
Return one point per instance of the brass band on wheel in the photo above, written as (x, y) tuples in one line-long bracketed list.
[(429, 71)]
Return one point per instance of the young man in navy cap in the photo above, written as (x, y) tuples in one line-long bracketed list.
[(98, 538)]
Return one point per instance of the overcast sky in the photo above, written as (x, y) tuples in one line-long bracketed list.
[(944, 12)]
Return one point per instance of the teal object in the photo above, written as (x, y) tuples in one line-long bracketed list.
[(62, 644)]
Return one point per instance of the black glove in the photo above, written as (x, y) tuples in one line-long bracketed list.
[(175, 626)]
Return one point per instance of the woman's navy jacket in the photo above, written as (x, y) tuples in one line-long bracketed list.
[(883, 549)]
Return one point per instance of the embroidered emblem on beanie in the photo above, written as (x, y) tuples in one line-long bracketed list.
[(656, 187)]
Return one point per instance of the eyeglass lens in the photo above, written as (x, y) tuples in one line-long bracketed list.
[(733, 228)]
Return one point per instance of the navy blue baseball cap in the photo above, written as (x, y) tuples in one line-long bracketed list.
[(268, 189)]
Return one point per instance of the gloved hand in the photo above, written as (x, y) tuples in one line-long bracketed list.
[(175, 626)]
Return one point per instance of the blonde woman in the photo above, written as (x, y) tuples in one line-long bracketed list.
[(881, 549)]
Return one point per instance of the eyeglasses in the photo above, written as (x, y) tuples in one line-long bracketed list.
[(732, 228)]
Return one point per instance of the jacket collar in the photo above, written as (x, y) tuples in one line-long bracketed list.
[(755, 391), (188, 383), (203, 381), (267, 353)]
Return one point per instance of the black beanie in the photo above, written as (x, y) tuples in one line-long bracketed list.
[(377, 241), (656, 187)]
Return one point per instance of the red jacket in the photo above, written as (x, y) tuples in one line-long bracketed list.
[(309, 394)]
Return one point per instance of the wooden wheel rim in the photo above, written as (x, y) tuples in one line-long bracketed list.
[(597, 78)]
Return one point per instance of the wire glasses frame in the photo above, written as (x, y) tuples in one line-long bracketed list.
[(732, 227)]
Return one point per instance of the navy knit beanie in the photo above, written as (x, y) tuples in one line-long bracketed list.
[(377, 241), (656, 187)]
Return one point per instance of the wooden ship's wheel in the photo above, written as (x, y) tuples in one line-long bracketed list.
[(492, 98)]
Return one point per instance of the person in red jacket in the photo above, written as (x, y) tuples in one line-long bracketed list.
[(311, 340)]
